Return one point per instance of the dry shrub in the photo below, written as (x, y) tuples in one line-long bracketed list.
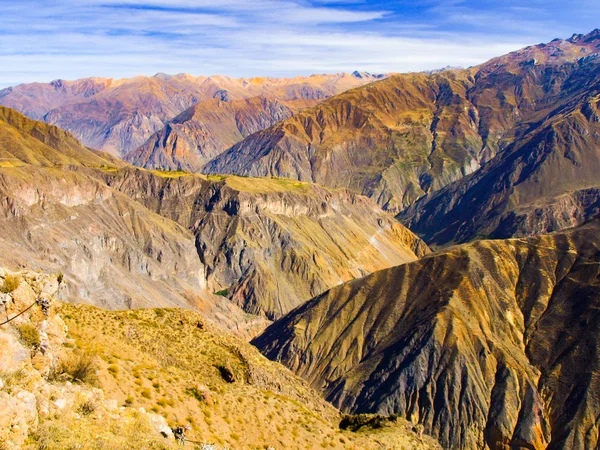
[(11, 283), (79, 367), (30, 336)]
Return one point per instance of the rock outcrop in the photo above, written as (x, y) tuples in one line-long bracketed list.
[(491, 344), (118, 116)]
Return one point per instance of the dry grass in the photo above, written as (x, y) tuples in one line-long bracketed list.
[(65, 431), (79, 366), (29, 335), (169, 365), (11, 283)]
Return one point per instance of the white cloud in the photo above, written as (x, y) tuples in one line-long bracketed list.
[(44, 40)]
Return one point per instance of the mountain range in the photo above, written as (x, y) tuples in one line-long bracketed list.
[(118, 116), (422, 249)]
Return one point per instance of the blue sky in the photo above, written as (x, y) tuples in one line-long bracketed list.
[(46, 40)]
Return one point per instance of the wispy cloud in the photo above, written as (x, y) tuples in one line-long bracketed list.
[(44, 40)]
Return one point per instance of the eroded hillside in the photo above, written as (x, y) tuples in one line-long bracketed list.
[(409, 135), (492, 344), (127, 237), (206, 130)]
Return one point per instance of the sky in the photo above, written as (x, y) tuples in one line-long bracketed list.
[(70, 39)]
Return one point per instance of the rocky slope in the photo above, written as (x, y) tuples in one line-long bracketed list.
[(408, 135), (271, 244), (547, 180), (118, 116), (492, 344), (204, 131), (127, 237), (114, 252), (79, 377)]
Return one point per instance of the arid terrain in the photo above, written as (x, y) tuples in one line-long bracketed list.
[(337, 261)]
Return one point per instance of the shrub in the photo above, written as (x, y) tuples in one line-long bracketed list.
[(11, 283), (87, 407), (113, 370), (226, 373), (79, 367), (29, 335)]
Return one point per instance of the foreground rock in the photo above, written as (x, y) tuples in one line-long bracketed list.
[(487, 345)]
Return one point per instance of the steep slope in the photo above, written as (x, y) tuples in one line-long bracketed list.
[(23, 141), (118, 116), (205, 130), (80, 377), (127, 237), (548, 180), (398, 139), (271, 244), (57, 214), (492, 344)]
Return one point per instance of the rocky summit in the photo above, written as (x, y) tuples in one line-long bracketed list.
[(491, 344)]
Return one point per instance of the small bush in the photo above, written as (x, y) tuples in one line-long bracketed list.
[(113, 370), (79, 367), (60, 277), (87, 407), (226, 373), (11, 283), (222, 293), (13, 378), (371, 421), (29, 335)]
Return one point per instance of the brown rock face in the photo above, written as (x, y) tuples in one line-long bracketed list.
[(204, 131), (409, 135), (492, 344), (271, 244), (118, 116)]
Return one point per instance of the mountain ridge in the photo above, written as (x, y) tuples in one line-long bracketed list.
[(489, 344), (399, 139)]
